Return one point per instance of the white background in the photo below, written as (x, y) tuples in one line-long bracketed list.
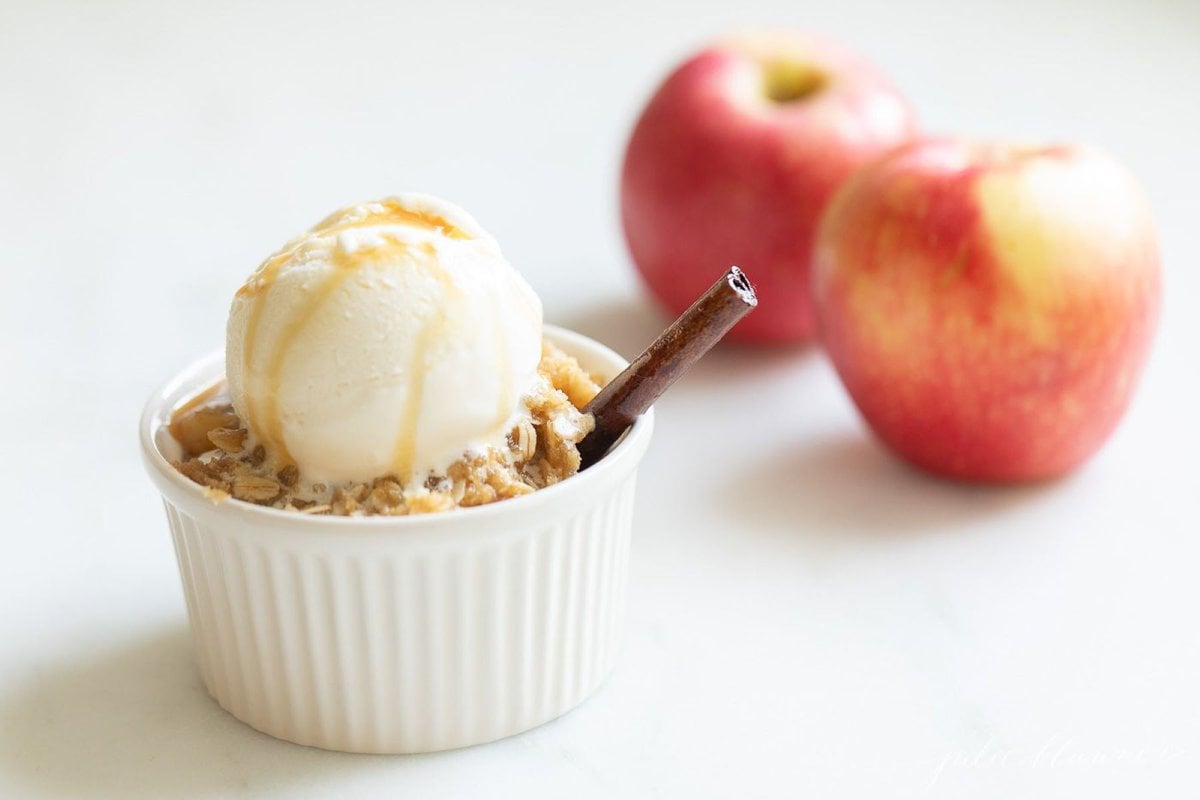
[(807, 617)]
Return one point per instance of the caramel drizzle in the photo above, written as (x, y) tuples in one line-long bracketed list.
[(394, 214), (198, 399), (263, 281), (212, 395), (273, 420), (405, 449)]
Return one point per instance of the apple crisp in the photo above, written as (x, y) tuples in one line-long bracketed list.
[(540, 451)]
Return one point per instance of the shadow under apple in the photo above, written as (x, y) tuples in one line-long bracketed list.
[(851, 485)]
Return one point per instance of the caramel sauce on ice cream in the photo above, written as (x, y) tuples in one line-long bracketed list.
[(391, 339)]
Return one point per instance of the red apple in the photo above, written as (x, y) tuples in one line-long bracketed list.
[(733, 161), (989, 307)]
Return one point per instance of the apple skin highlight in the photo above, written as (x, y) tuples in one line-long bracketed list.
[(989, 308), (733, 161)]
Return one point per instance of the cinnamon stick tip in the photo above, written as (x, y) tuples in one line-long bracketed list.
[(738, 281)]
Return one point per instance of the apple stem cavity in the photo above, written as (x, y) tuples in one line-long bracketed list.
[(791, 81)]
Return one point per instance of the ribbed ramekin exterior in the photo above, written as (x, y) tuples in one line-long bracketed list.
[(407, 649), (409, 634)]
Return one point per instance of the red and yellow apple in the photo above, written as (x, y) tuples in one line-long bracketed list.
[(989, 307), (733, 160)]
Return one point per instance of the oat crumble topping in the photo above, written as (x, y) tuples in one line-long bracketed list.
[(539, 452)]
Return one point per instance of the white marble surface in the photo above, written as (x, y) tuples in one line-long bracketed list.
[(813, 620)]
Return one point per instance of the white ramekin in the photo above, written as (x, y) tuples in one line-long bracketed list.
[(409, 634)]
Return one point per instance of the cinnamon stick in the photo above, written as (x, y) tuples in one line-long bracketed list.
[(681, 345)]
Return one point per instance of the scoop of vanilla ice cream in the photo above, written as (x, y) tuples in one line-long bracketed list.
[(391, 338)]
